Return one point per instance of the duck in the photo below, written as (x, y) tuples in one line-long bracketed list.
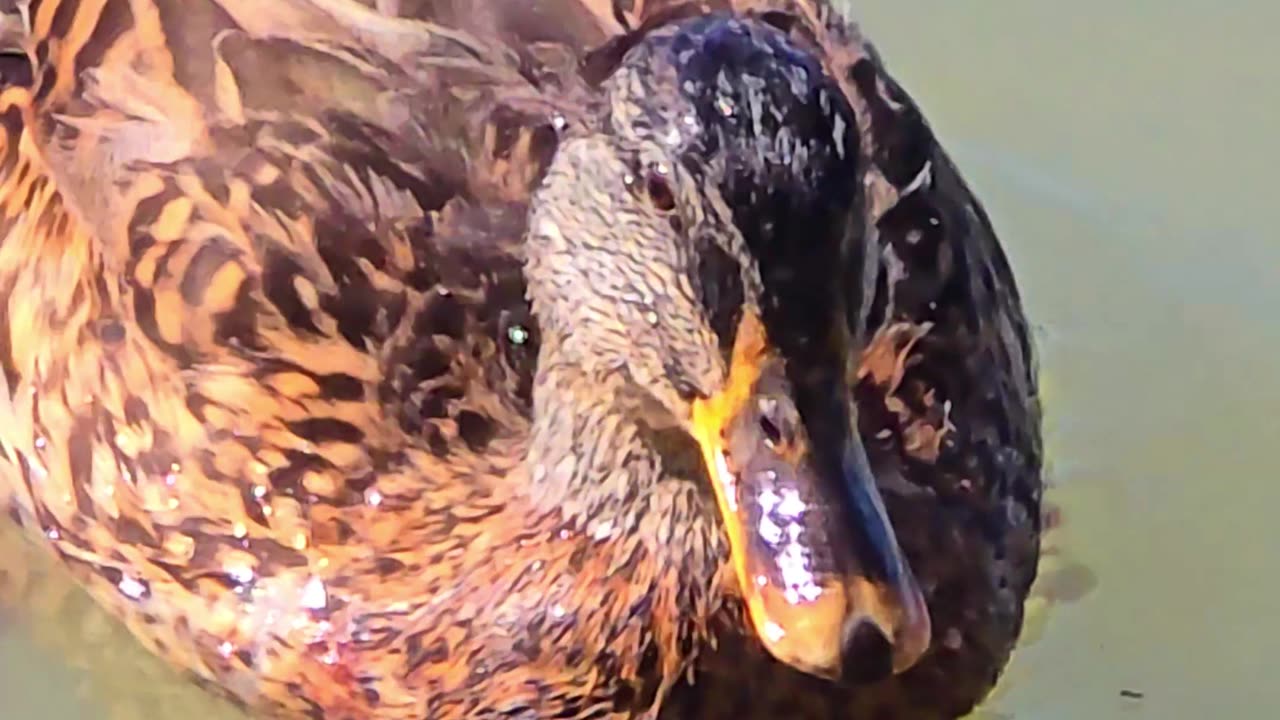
[(394, 359)]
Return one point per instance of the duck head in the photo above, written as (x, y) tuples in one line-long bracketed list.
[(695, 256)]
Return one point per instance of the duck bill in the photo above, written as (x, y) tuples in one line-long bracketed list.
[(825, 584), (885, 601)]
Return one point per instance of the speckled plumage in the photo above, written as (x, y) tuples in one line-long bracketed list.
[(281, 335)]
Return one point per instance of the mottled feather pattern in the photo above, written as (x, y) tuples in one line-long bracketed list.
[(268, 366)]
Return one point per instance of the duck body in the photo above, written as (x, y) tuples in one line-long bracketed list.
[(277, 348)]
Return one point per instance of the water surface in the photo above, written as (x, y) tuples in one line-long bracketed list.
[(1124, 153)]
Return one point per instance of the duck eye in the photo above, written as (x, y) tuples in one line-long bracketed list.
[(659, 189)]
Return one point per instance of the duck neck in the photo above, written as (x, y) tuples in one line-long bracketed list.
[(631, 501)]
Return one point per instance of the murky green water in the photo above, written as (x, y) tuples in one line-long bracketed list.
[(1124, 152)]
